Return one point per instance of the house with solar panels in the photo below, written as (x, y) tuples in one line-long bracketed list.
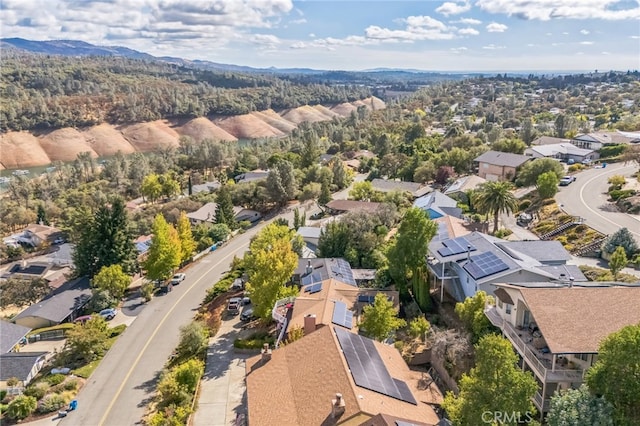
[(477, 262), (438, 205), (333, 376)]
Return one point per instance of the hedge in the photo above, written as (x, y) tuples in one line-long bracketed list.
[(64, 326)]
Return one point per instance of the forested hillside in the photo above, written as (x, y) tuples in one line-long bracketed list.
[(39, 92)]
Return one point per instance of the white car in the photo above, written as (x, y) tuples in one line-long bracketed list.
[(178, 278), (108, 313)]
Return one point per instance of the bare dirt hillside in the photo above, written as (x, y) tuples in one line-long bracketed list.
[(248, 126), (147, 137), (106, 140), (21, 149), (202, 128), (65, 144), (273, 119)]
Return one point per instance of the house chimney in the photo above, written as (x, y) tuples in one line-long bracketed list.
[(571, 279), (266, 353), (309, 324), (337, 406), (309, 268), (562, 278), (469, 252)]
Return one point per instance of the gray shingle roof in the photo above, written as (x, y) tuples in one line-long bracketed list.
[(542, 251), (60, 303), (10, 335), (326, 268), (507, 159), (18, 364)]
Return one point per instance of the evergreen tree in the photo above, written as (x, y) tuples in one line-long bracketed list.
[(325, 194), (224, 208), (42, 216)]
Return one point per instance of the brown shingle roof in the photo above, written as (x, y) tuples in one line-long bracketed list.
[(576, 319), (297, 385), (351, 205)]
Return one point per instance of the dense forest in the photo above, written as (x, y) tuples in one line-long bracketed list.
[(48, 92)]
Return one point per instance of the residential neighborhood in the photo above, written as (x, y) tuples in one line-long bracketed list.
[(191, 243)]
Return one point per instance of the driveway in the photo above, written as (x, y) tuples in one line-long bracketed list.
[(587, 197), (223, 394)]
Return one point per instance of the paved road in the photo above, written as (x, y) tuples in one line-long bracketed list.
[(587, 197)]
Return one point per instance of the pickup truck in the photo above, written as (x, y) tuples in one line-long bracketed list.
[(233, 307), (566, 180)]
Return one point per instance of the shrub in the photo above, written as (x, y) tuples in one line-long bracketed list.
[(575, 168), (21, 407), (620, 194), (504, 232), (117, 330), (581, 228), (146, 290), (100, 300), (562, 240), (70, 385), (52, 402), (611, 150), (188, 374), (38, 390), (548, 202), (13, 381), (194, 339), (3, 394), (55, 379), (255, 341)]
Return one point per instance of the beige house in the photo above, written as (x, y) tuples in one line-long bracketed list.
[(496, 165), (557, 329)]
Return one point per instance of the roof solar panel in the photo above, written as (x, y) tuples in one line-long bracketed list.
[(484, 265), (443, 232), (455, 246), (342, 271), (314, 288), (341, 315), (368, 369)]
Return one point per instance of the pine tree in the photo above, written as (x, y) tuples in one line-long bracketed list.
[(325, 194), (224, 209)]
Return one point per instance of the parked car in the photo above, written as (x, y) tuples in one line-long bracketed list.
[(238, 284), (246, 301), (566, 180), (247, 314), (82, 319), (233, 307), (108, 313), (59, 240), (178, 278)]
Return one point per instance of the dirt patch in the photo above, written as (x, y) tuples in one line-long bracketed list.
[(248, 126), (305, 113), (374, 103), (147, 137), (202, 128), (65, 144), (21, 149), (326, 112), (106, 140), (344, 109), (273, 119)]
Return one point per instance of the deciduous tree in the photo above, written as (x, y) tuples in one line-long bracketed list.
[(471, 313), (87, 341), (578, 407), (151, 187), (615, 374), (529, 172), (270, 264), (113, 280), (187, 243), (617, 261), (495, 385), (165, 252), (547, 184), (380, 319)]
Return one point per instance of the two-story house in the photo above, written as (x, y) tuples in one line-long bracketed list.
[(496, 165), (474, 262), (557, 328)]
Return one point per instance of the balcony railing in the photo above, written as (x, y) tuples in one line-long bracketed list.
[(542, 404), (277, 316), (541, 367)]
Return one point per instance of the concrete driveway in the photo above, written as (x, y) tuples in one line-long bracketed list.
[(223, 395)]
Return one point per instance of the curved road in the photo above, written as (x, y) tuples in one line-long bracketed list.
[(587, 197)]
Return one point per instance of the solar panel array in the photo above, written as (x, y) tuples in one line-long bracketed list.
[(366, 298), (342, 271), (341, 315), (455, 246), (401, 423), (312, 278), (368, 369), (313, 288), (485, 264), (443, 232)]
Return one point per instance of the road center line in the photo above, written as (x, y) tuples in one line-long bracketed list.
[(153, 335)]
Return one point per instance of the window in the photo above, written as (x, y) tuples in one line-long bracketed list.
[(508, 308), (499, 303), (582, 357)]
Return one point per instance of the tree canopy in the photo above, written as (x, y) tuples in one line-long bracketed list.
[(615, 374), (547, 184), (380, 319), (529, 172), (187, 243), (578, 407), (113, 280), (494, 198), (495, 385), (164, 254), (621, 238), (471, 313)]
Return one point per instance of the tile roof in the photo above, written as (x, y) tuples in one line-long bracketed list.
[(498, 158), (60, 303), (576, 319), (10, 335), (296, 386), (18, 364)]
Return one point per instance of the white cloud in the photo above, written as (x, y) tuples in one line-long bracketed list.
[(634, 37), (586, 43), (312, 35), (495, 27), (265, 39), (298, 21), (425, 21), (461, 49), (545, 10), (468, 31), (411, 33), (451, 8), (467, 21), (606, 53), (492, 47), (565, 33), (584, 32)]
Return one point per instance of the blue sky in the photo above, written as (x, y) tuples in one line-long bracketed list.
[(472, 35)]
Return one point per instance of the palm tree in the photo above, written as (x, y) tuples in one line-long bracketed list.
[(495, 198)]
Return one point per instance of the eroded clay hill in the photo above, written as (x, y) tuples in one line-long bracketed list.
[(25, 149)]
